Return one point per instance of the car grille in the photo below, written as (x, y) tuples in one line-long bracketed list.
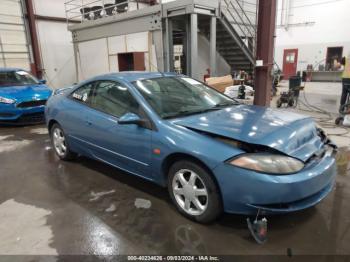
[(32, 103), (6, 114)]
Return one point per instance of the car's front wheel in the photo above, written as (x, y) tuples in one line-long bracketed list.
[(194, 192), (60, 144)]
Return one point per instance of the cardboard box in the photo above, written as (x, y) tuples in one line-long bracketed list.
[(220, 83)]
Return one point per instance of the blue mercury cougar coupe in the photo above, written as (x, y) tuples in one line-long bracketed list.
[(22, 97), (212, 153)]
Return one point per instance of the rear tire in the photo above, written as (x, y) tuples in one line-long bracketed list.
[(59, 143), (194, 192)]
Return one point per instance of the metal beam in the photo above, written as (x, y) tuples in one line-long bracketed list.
[(167, 45), (55, 19), (37, 68), (194, 46), (130, 25), (213, 46), (159, 49), (77, 62), (170, 45), (265, 49), (188, 45)]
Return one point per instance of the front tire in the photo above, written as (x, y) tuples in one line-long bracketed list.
[(59, 143), (194, 192)]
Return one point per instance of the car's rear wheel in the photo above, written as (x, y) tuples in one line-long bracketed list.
[(60, 144), (194, 192)]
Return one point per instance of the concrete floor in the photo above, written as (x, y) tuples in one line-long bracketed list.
[(86, 207)]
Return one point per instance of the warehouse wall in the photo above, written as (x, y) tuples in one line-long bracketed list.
[(14, 50), (330, 29), (55, 43), (223, 68), (101, 56)]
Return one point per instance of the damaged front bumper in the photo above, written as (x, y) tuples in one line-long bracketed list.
[(245, 191)]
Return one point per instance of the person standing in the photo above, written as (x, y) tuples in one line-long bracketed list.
[(346, 81)]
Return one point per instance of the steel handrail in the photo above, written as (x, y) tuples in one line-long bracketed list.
[(235, 20), (72, 5), (241, 18), (248, 30), (244, 12)]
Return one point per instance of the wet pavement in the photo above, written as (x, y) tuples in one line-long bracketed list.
[(85, 207)]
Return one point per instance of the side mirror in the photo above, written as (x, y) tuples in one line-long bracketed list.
[(42, 82), (131, 119)]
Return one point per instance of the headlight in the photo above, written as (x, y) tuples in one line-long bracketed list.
[(268, 163), (7, 100)]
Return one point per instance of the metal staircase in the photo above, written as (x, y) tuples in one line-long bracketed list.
[(236, 34), (173, 23)]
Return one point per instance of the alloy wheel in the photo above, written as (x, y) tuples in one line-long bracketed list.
[(190, 192), (59, 142)]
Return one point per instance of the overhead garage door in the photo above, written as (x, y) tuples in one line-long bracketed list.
[(14, 51)]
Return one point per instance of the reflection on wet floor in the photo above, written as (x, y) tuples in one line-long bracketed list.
[(97, 209)]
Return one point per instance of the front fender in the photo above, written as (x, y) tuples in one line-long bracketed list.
[(171, 139)]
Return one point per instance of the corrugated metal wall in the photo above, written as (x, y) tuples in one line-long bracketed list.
[(14, 51)]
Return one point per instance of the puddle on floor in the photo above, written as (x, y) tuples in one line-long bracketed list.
[(24, 230), (97, 196), (7, 145), (142, 203), (39, 131)]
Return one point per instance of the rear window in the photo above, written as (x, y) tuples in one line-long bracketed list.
[(17, 78)]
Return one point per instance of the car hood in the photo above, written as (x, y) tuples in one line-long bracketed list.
[(25, 92), (292, 134)]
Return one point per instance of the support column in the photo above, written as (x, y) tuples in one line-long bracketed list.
[(213, 46), (265, 51), (194, 46), (169, 45), (77, 61), (188, 44), (34, 39)]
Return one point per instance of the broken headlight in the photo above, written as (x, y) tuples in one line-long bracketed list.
[(268, 163)]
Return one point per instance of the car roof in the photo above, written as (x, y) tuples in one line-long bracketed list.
[(136, 75), (10, 69)]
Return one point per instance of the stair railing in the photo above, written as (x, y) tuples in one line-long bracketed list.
[(80, 11), (240, 20)]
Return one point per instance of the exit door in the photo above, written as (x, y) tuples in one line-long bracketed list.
[(290, 62)]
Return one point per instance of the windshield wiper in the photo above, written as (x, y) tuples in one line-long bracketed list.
[(182, 113), (189, 112), (222, 105)]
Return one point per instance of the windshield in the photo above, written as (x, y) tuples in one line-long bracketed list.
[(17, 78), (173, 97)]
